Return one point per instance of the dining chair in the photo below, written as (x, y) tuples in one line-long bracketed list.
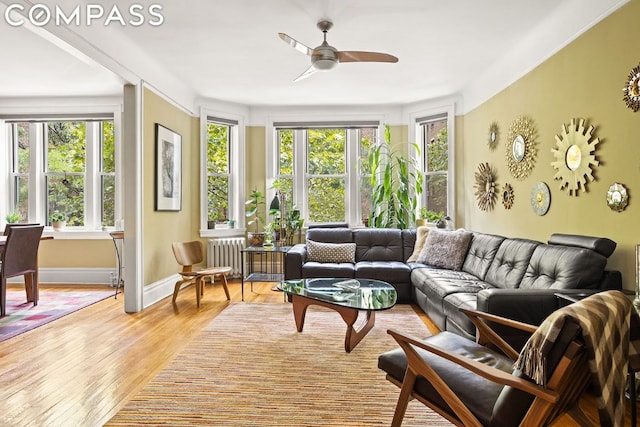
[(20, 258), (189, 254)]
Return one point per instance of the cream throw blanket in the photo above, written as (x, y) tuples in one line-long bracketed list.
[(611, 333)]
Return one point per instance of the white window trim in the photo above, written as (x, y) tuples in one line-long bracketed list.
[(351, 190), (70, 107), (415, 135), (236, 178)]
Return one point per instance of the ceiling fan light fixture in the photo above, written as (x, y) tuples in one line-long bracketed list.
[(324, 64)]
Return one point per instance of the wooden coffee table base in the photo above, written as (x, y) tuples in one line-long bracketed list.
[(349, 315)]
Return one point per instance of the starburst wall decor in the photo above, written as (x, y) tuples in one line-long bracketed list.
[(521, 147), (632, 89), (575, 156), (486, 187)]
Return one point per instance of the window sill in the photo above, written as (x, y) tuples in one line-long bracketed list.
[(223, 232), (71, 234)]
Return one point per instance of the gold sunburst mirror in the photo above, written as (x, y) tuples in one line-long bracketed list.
[(493, 135), (575, 156), (507, 196), (521, 147), (486, 187), (631, 89)]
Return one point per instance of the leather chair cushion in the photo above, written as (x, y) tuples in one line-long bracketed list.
[(481, 252), (378, 244), (510, 263), (478, 393), (563, 267)]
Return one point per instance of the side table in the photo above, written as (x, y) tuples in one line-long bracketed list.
[(263, 264)]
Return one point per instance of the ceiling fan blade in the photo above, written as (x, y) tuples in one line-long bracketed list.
[(357, 56), (296, 44), (309, 71)]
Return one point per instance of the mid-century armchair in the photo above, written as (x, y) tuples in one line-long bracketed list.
[(475, 384)]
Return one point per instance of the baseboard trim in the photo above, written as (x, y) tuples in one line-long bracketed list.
[(158, 290), (72, 276), (152, 292)]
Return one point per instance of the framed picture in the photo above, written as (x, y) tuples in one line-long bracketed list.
[(168, 169)]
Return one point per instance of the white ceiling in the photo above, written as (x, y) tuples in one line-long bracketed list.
[(229, 50)]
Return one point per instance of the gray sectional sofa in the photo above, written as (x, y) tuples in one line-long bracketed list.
[(511, 277)]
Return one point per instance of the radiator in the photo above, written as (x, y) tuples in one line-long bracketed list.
[(225, 252)]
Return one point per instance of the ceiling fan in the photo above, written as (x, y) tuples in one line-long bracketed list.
[(325, 57)]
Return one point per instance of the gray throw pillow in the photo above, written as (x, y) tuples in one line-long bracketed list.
[(331, 252), (445, 249)]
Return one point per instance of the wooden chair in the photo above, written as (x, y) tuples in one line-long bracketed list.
[(189, 254), (20, 258), (474, 383)]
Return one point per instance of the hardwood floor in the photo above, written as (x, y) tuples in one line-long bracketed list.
[(81, 369)]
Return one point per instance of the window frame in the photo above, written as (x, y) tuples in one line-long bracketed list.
[(352, 175), (236, 155), (37, 117), (415, 134)]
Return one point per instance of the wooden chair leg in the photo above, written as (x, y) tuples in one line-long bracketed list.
[(176, 289), (404, 398), (225, 287), (3, 296), (198, 290)]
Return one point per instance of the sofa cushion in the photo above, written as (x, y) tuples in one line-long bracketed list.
[(378, 244), (328, 269), (389, 271), (563, 267), (445, 249), (602, 245), (331, 252), (421, 238), (330, 235), (510, 263), (482, 250)]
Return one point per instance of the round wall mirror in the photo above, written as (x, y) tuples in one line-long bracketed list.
[(617, 197), (517, 148), (573, 157)]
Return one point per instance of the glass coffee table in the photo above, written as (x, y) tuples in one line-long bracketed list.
[(346, 296)]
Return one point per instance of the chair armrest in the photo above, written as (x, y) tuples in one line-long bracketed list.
[(490, 373), (485, 334), (294, 260)]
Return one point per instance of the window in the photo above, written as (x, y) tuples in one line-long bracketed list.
[(218, 141), (325, 169), (433, 133), (66, 166), (223, 150)]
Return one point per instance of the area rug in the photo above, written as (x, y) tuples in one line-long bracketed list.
[(23, 316), (249, 367)]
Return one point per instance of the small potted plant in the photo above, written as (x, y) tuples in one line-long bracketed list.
[(13, 217), (256, 199), (426, 216), (58, 220)]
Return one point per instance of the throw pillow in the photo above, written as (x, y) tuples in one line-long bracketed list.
[(331, 252), (421, 237), (445, 249)]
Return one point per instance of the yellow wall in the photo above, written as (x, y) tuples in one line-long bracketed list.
[(583, 80), (59, 253), (163, 228)]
